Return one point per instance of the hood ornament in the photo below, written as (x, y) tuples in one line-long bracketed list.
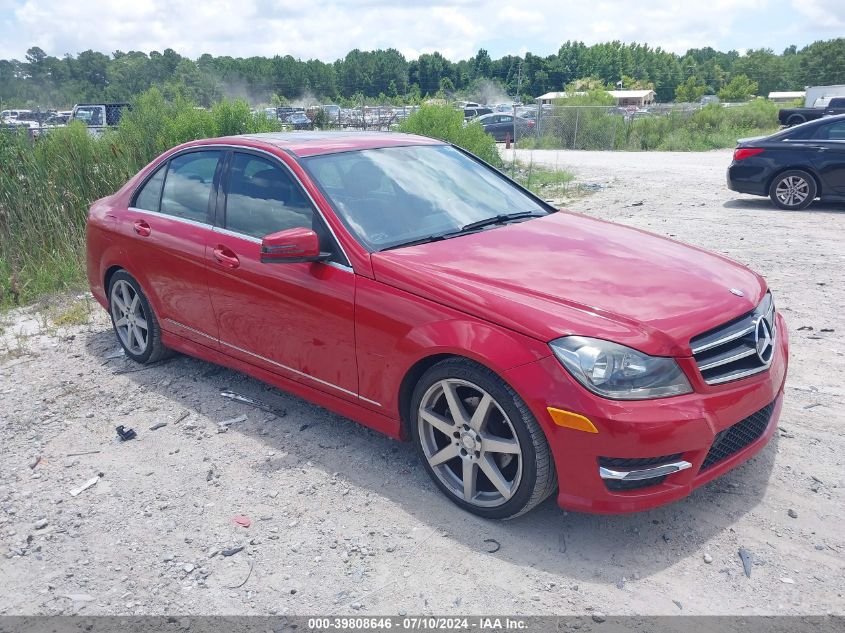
[(737, 292)]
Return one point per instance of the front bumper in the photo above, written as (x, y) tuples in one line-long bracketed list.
[(683, 425)]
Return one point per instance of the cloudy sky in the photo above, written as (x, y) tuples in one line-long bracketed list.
[(457, 28)]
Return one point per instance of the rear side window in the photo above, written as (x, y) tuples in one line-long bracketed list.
[(831, 132), (149, 196), (189, 184), (263, 198)]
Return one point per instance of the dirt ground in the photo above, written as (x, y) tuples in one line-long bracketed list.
[(346, 521)]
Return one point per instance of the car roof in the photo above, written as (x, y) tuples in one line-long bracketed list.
[(315, 143)]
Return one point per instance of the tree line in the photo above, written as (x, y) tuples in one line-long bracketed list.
[(42, 80)]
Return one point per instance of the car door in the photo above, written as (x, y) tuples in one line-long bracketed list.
[(295, 319), (829, 157), (167, 228)]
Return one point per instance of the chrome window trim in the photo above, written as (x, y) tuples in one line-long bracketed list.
[(166, 216), (272, 362)]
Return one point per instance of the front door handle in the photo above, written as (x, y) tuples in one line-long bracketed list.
[(226, 257), (142, 228)]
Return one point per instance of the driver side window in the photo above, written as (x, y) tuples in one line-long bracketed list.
[(262, 199)]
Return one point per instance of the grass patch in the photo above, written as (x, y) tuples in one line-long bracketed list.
[(77, 313), (47, 184), (544, 182), (711, 127)]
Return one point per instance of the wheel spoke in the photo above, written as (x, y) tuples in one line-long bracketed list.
[(470, 474), (133, 307), (482, 411), (124, 291), (489, 468), (130, 337), (141, 322), (119, 303), (456, 407), (142, 340), (121, 322), (444, 455), (494, 444), (438, 422)]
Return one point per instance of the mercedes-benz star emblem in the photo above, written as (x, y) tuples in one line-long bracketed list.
[(737, 292), (764, 343)]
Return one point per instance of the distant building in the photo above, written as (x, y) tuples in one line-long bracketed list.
[(637, 98), (551, 97), (786, 97)]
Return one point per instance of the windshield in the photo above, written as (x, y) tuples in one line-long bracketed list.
[(394, 195)]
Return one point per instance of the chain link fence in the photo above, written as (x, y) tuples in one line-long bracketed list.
[(599, 127)]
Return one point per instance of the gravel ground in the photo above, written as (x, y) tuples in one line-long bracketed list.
[(345, 521)]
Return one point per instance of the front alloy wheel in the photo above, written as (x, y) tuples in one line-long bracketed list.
[(479, 442), (464, 431)]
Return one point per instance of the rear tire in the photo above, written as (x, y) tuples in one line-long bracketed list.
[(793, 190), (795, 119), (479, 442), (134, 322)]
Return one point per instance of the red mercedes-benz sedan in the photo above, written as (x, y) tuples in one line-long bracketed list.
[(404, 283)]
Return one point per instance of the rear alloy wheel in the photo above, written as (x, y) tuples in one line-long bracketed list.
[(793, 189), (133, 319), (479, 442)]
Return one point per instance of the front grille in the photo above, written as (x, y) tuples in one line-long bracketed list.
[(734, 438), (634, 463), (740, 348)]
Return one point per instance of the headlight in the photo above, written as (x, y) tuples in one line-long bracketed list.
[(615, 371)]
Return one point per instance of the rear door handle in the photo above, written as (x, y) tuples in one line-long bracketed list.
[(226, 257), (142, 228)]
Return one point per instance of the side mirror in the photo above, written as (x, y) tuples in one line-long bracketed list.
[(291, 246)]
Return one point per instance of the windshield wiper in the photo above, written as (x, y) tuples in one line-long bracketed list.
[(502, 218), (468, 228)]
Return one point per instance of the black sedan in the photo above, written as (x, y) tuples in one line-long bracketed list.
[(501, 126), (795, 166)]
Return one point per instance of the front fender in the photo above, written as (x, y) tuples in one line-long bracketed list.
[(396, 330)]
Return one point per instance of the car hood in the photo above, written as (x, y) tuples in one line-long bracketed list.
[(570, 274)]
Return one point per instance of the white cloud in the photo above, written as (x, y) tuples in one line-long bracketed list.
[(456, 28)]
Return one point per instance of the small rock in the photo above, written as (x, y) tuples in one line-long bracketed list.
[(41, 524), (792, 513), (34, 462), (787, 581), (188, 568), (599, 617), (708, 559), (356, 605), (667, 537)]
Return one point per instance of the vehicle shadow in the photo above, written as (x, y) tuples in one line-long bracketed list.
[(764, 204), (575, 546)]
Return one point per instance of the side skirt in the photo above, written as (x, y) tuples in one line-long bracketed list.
[(360, 414)]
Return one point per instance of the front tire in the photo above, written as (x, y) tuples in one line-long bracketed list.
[(793, 190), (479, 442), (134, 322)]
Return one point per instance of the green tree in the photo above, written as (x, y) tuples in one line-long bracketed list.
[(739, 88), (691, 90)]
